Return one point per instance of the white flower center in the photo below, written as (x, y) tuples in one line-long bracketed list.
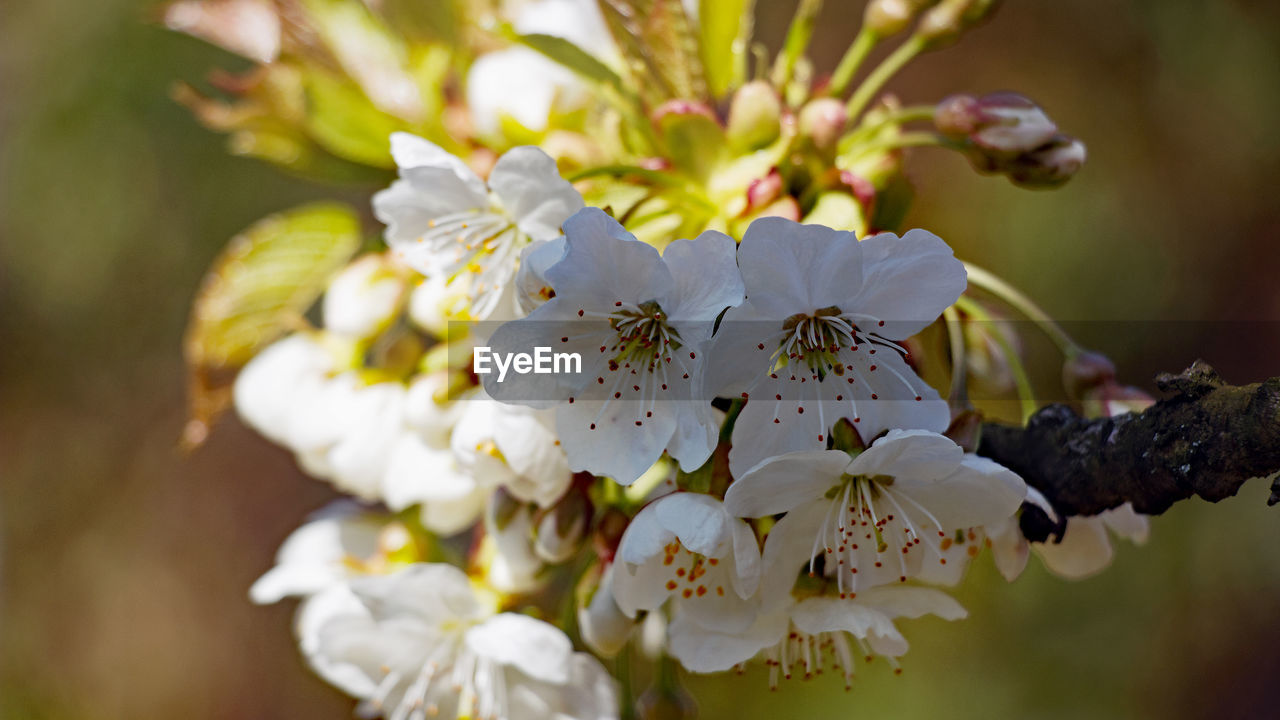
[(485, 242), (639, 344), (868, 522)]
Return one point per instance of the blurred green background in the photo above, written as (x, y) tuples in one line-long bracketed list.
[(125, 565)]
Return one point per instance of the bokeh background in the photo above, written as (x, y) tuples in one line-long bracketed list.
[(125, 565)]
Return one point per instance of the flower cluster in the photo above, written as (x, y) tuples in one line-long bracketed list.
[(747, 456)]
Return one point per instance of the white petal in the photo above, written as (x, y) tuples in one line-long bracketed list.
[(785, 482), (529, 185), (788, 267), (411, 151), (617, 447), (707, 281), (917, 454), (1085, 549), (827, 614), (518, 83), (417, 472), (604, 263), (746, 560), (268, 388), (700, 522), (788, 547), (908, 281), (536, 648), (645, 537), (1127, 523), (532, 286), (979, 492), (906, 601), (704, 650), (604, 627), (363, 298), (1009, 549)]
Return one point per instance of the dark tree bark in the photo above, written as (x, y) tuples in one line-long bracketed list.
[(1205, 440)]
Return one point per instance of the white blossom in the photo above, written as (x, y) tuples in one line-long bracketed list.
[(512, 446), (423, 643), (364, 298), (810, 634), (688, 548), (443, 219), (526, 86), (873, 519), (814, 341), (639, 321), (1085, 548), (342, 541)]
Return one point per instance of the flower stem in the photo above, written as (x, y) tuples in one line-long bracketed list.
[(852, 60), (958, 397), (1013, 297), (889, 67), (626, 692), (798, 36), (1026, 393), (888, 120), (905, 140)]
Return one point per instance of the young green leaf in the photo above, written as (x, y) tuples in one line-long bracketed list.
[(724, 32), (657, 40), (257, 289)]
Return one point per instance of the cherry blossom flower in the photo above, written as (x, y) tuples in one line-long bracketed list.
[(423, 642), (875, 518), (512, 446), (687, 547), (523, 85), (810, 634), (343, 540), (365, 297), (815, 340), (639, 321), (1085, 548), (443, 219)]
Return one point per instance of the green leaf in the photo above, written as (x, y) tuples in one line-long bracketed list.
[(343, 121), (569, 55), (657, 41), (724, 33), (257, 289)]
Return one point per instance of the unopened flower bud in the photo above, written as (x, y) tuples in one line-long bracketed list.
[(1011, 124), (763, 191), (890, 17), (364, 298), (944, 22), (666, 699), (966, 429), (957, 116), (435, 302), (560, 529), (1001, 124), (604, 627), (823, 121), (608, 533), (1085, 371), (512, 565), (501, 510), (754, 116), (1049, 166)]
